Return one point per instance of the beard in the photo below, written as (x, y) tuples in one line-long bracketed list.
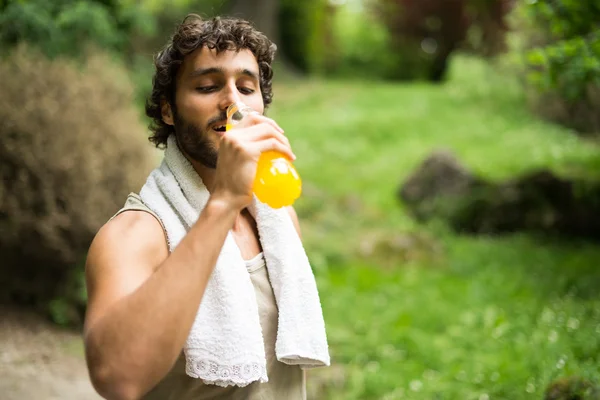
[(195, 143)]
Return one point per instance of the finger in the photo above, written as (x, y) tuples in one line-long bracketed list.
[(261, 132), (248, 139), (257, 119), (275, 124), (266, 130), (275, 145)]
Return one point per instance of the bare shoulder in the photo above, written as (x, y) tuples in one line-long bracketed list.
[(294, 218), (131, 233), (125, 252)]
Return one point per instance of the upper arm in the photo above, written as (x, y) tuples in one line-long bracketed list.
[(294, 218), (125, 252)]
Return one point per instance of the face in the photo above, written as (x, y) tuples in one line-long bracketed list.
[(207, 84)]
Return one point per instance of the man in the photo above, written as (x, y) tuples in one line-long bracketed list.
[(170, 314)]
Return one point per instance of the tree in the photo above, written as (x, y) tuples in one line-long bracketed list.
[(262, 13)]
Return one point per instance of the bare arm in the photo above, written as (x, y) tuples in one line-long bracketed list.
[(138, 319)]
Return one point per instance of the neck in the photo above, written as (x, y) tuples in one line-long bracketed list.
[(206, 174), (208, 178)]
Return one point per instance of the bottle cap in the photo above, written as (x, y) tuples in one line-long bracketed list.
[(237, 111)]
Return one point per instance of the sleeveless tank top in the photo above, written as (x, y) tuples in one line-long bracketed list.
[(285, 381)]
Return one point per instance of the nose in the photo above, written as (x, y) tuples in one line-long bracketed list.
[(230, 95)]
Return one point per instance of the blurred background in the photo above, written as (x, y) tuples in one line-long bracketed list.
[(451, 168)]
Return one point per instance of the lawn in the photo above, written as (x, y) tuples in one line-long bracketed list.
[(417, 312)]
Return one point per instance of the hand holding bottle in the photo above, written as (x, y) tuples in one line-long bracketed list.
[(277, 182)]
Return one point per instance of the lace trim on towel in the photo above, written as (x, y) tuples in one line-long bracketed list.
[(240, 375)]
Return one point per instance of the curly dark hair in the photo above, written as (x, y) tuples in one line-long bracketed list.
[(194, 32)]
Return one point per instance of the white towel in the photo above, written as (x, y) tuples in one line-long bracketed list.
[(225, 345)]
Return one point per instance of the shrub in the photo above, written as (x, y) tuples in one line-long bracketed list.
[(66, 27), (561, 55), (72, 147)]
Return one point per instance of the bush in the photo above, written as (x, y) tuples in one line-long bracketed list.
[(72, 148), (561, 55), (67, 27)]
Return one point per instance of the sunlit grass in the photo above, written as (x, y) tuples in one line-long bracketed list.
[(417, 312)]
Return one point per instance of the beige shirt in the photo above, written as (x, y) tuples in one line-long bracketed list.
[(285, 381)]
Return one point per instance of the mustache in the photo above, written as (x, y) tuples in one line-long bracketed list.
[(219, 118)]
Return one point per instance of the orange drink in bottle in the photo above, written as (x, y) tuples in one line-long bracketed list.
[(277, 182)]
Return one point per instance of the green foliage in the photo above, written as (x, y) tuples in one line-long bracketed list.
[(302, 30), (478, 318), (564, 19), (558, 45), (361, 46), (568, 66), (70, 302), (569, 60), (66, 27), (183, 7)]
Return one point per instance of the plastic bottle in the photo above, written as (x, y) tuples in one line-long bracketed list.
[(277, 182)]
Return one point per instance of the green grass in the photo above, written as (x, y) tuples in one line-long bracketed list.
[(417, 312)]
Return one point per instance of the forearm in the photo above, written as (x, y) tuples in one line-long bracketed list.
[(138, 340)]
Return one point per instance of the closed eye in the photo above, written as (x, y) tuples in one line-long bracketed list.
[(244, 90), (206, 89)]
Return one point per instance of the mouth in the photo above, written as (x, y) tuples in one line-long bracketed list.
[(219, 128)]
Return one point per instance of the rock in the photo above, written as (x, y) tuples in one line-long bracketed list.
[(440, 178), (539, 201)]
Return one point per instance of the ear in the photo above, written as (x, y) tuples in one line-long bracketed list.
[(166, 112)]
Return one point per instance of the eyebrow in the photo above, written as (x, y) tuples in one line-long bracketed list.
[(218, 70)]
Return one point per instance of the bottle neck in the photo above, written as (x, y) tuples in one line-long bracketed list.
[(236, 112)]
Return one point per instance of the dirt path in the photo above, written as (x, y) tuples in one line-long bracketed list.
[(39, 361)]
